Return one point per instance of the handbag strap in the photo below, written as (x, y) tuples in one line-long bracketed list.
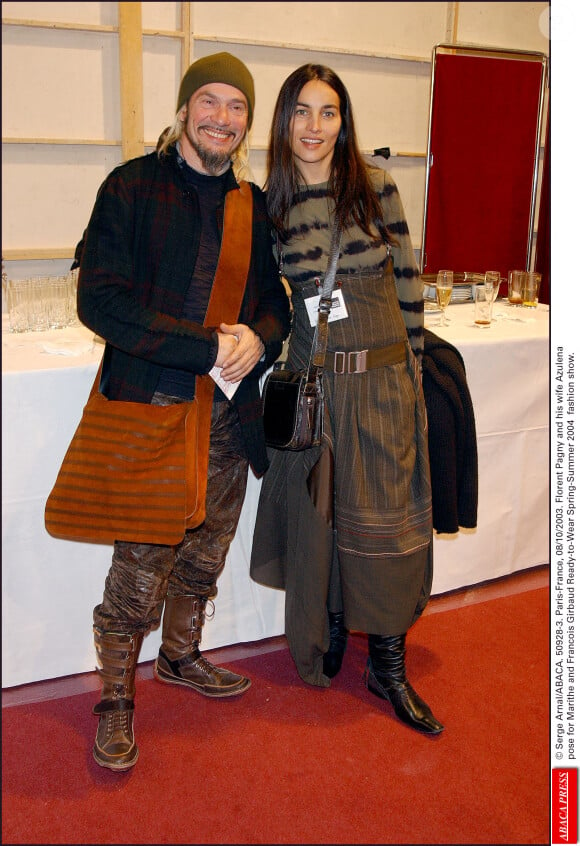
[(325, 304)]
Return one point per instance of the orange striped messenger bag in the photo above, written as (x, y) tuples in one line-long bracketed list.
[(138, 472)]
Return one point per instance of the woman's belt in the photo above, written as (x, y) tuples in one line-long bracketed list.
[(359, 361)]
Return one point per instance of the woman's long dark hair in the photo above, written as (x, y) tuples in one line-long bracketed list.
[(349, 184)]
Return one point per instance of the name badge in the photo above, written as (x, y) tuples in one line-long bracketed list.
[(338, 309)]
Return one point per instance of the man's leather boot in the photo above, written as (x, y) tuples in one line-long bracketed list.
[(180, 661), (115, 745), (332, 660), (386, 677)]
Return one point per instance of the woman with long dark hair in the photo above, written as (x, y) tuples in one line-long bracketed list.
[(346, 528)]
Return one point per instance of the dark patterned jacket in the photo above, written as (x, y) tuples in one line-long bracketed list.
[(136, 262)]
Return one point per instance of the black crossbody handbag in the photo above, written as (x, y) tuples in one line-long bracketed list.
[(293, 400)]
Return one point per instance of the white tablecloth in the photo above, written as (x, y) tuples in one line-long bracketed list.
[(50, 586), (507, 369)]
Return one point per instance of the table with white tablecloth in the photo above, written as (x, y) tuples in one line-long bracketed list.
[(50, 586), (508, 371)]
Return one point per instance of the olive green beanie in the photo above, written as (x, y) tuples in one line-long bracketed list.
[(220, 67)]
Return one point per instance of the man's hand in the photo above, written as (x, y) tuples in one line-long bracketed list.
[(239, 351)]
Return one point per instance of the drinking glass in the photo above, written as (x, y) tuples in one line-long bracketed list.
[(443, 291), (492, 280), (531, 289), (17, 293), (58, 302), (73, 281), (515, 286), (39, 304), (483, 307)]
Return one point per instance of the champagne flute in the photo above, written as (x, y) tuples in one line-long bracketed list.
[(492, 280), (444, 290), (492, 283)]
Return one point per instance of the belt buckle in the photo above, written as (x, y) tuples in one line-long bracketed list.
[(351, 362), (359, 358)]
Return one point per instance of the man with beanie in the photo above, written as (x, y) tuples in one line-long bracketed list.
[(147, 263)]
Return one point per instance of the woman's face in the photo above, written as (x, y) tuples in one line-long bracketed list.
[(314, 130)]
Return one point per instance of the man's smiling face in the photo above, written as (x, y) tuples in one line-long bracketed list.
[(215, 122)]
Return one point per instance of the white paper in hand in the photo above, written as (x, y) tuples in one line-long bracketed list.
[(229, 388)]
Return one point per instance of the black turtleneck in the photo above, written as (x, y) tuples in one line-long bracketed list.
[(210, 191)]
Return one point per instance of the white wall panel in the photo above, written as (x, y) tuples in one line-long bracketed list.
[(161, 78), (48, 193), (401, 28), (102, 14), (162, 15), (521, 25), (60, 84)]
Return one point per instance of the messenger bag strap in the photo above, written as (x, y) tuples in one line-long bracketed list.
[(224, 307), (325, 304)]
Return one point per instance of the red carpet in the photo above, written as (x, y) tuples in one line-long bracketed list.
[(288, 763)]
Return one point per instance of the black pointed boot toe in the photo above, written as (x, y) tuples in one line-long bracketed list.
[(386, 677)]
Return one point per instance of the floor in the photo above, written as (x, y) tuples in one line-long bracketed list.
[(532, 579)]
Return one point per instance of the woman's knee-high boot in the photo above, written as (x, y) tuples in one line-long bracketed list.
[(386, 677), (117, 653), (332, 660)]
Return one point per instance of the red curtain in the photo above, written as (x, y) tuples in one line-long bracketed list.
[(483, 146), (543, 239)]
